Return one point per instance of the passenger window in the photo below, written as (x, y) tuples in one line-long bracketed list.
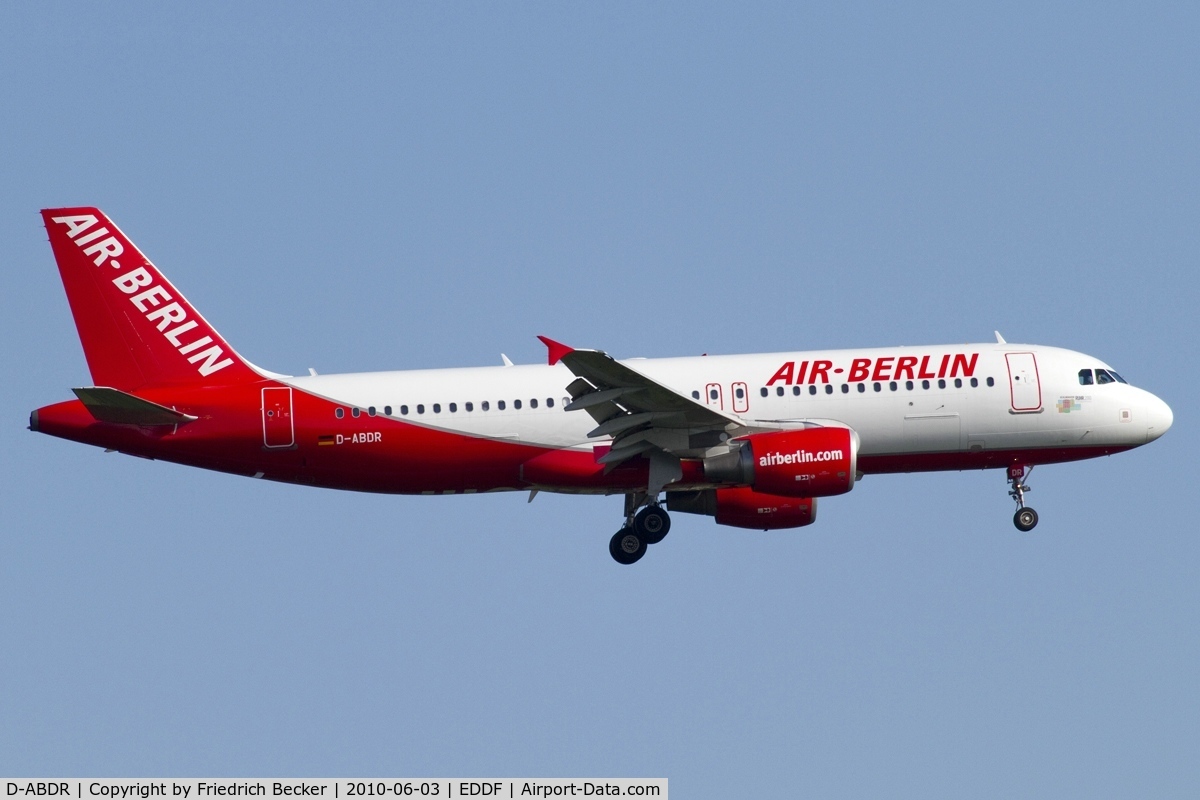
[(1085, 377), (1102, 376), (387, 411), (812, 388), (533, 403), (469, 406), (517, 404), (695, 395), (740, 393), (499, 405), (420, 408), (404, 411), (845, 388), (762, 391), (453, 407), (878, 386), (908, 385), (829, 388), (974, 383), (779, 391), (991, 382), (796, 391), (941, 383), (712, 394), (339, 413), (485, 405), (354, 412), (924, 384), (437, 408), (862, 387), (958, 383), (549, 402), (892, 386), (371, 411)]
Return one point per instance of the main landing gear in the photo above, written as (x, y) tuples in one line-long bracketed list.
[(1026, 519), (646, 527)]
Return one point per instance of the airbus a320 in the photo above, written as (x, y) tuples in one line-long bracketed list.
[(751, 440)]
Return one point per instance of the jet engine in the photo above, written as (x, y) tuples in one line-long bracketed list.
[(813, 462), (742, 507)]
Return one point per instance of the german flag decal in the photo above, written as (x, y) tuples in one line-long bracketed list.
[(327, 439)]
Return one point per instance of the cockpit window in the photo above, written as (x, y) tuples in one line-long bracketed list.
[(1102, 376), (1118, 377), (1085, 377)]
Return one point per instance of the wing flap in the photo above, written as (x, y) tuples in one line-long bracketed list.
[(641, 394)]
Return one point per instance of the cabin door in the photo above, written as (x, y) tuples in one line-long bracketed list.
[(1025, 387), (278, 427)]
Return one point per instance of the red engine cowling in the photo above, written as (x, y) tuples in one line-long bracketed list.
[(814, 462), (742, 507)]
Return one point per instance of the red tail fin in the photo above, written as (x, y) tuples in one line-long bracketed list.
[(136, 328)]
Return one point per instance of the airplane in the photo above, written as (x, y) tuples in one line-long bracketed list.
[(751, 440)]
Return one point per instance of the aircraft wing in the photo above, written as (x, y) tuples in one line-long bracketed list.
[(642, 416)]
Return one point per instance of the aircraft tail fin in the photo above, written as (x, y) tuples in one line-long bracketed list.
[(135, 327)]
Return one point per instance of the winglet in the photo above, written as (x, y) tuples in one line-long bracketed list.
[(556, 350)]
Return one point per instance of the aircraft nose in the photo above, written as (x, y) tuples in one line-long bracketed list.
[(1158, 418)]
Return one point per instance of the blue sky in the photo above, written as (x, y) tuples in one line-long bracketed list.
[(378, 186)]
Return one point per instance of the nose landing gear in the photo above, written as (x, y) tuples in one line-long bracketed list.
[(646, 527), (1026, 519)]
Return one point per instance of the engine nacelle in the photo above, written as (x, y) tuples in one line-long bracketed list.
[(813, 462), (742, 507)]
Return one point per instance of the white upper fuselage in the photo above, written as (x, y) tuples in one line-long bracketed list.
[(900, 400)]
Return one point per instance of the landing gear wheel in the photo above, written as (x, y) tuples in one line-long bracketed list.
[(1025, 519), (626, 547), (652, 524)]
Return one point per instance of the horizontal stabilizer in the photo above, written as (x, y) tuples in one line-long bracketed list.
[(113, 405)]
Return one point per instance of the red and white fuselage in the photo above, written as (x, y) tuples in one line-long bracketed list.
[(167, 386)]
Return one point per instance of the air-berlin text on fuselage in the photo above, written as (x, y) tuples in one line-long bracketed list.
[(799, 457), (101, 245), (883, 368)]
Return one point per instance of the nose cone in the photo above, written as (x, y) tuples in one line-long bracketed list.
[(1158, 418)]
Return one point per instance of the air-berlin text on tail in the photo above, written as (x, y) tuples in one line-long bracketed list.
[(100, 244), (882, 368)]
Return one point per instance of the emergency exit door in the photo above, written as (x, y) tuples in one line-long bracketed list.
[(278, 428), (1024, 385)]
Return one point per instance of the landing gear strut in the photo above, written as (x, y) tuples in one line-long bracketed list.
[(1026, 518), (642, 529)]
